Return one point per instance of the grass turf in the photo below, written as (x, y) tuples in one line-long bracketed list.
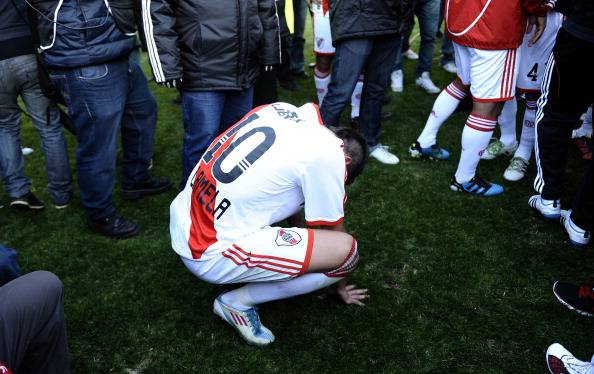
[(458, 284)]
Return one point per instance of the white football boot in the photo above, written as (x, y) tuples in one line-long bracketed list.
[(450, 67), (516, 169), (550, 209), (246, 322), (577, 236), (497, 148)]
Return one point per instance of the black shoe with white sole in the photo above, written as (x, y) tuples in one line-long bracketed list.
[(27, 201), (576, 297)]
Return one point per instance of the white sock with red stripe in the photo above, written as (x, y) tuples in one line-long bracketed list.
[(507, 122), (445, 104), (528, 134), (475, 138), (321, 79), (356, 98), (258, 293)]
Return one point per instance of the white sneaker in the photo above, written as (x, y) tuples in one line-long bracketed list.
[(425, 82), (550, 209), (561, 361), (246, 322), (497, 148), (26, 151), (450, 67), (397, 79), (577, 235), (516, 169), (384, 156), (410, 54)]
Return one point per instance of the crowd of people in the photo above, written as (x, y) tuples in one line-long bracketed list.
[(249, 162)]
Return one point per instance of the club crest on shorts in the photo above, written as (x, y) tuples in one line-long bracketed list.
[(287, 237)]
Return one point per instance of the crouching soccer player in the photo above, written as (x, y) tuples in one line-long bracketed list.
[(274, 163)]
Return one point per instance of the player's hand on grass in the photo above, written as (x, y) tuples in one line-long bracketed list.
[(350, 294), (538, 23)]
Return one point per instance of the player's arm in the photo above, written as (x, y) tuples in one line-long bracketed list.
[(538, 10)]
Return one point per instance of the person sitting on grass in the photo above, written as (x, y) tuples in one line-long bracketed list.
[(274, 163)]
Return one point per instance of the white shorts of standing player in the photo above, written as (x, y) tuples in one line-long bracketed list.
[(321, 30)]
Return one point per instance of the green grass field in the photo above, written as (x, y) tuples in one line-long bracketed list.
[(458, 284)]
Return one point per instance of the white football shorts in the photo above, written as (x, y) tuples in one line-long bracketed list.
[(534, 59), (321, 30), (491, 75), (269, 254)]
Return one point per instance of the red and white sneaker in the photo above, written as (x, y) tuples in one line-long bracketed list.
[(561, 361)]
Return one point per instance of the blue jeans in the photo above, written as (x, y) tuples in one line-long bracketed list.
[(206, 115), (447, 50), (369, 56), (297, 42), (104, 100), (427, 12), (18, 76)]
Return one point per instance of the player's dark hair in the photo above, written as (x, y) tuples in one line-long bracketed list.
[(355, 146)]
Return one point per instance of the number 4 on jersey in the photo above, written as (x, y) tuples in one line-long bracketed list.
[(533, 73)]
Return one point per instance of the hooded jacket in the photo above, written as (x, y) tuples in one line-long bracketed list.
[(211, 44), (352, 19), (80, 33)]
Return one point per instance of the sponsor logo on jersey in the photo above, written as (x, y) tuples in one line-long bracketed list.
[(286, 237)]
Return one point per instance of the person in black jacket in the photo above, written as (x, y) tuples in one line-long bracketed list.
[(366, 35), (566, 94), (18, 77), (213, 51), (86, 46)]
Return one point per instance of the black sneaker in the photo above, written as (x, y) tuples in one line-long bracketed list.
[(27, 201), (153, 186), (114, 227), (578, 298)]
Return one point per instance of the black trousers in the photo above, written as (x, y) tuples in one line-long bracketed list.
[(32, 325), (567, 92)]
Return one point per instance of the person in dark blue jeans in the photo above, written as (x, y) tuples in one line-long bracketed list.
[(206, 115), (297, 41), (18, 78), (371, 57), (214, 55), (106, 93), (427, 12)]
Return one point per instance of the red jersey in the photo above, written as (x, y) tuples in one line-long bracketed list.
[(491, 24)]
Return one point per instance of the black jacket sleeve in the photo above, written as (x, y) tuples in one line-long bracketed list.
[(158, 20), (270, 43)]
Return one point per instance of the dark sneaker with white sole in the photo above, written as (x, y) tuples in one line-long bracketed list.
[(114, 227), (27, 201), (579, 298), (152, 186)]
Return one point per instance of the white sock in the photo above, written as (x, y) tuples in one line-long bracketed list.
[(321, 79), (257, 293), (507, 122), (475, 138), (356, 98), (528, 134), (445, 104)]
